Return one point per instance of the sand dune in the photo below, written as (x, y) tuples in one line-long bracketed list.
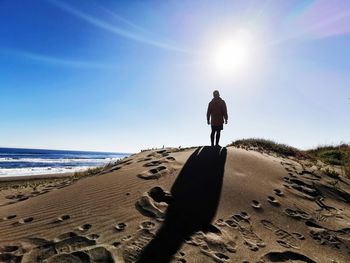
[(201, 204)]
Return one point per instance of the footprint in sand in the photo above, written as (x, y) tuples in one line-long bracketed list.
[(212, 246), (65, 236), (93, 236), (298, 236), (148, 207), (302, 188), (216, 256), (232, 223), (325, 236), (73, 243), (68, 247), (8, 249), (255, 204), (84, 227), (133, 246), (159, 195), (288, 169), (144, 160), (170, 158), (220, 222), (97, 254), (154, 173), (120, 227), (310, 175), (11, 254), (243, 225), (297, 214), (126, 238), (152, 163), (8, 217), (245, 215), (278, 192), (147, 225), (163, 153), (23, 221), (273, 201), (154, 202), (61, 219), (180, 257), (285, 239), (116, 244), (292, 175)]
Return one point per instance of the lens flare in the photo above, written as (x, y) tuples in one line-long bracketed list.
[(231, 55)]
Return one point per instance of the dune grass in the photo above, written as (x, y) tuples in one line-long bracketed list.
[(346, 166), (330, 154), (99, 169), (334, 155), (267, 145)]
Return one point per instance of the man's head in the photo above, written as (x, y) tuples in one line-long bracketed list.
[(216, 94)]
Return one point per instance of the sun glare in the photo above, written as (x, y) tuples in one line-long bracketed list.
[(232, 55)]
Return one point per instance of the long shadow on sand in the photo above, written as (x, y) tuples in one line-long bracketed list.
[(196, 194)]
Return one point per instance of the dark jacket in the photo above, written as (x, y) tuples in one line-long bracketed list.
[(217, 112)]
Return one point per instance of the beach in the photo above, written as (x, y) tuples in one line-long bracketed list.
[(200, 204), (17, 162)]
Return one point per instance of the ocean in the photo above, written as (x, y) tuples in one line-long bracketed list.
[(19, 162)]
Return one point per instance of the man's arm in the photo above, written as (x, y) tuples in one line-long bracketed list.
[(208, 113), (225, 112)]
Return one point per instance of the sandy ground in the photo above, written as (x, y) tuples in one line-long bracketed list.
[(202, 204)]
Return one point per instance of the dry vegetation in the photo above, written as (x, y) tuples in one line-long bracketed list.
[(99, 169), (338, 155), (334, 155), (267, 145)]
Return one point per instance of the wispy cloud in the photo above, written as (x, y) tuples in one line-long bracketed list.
[(50, 60), (320, 19), (124, 20), (116, 30)]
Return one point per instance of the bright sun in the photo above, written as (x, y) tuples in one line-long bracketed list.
[(232, 55)]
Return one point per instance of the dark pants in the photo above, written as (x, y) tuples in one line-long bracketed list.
[(215, 129)]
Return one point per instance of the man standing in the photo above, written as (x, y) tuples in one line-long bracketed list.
[(216, 116)]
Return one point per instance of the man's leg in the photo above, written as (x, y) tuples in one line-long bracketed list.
[(212, 137), (217, 138)]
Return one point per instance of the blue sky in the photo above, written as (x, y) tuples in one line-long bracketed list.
[(128, 75)]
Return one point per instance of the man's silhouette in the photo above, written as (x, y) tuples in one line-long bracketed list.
[(216, 116)]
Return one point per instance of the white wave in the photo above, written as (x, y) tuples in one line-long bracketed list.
[(69, 160), (40, 170)]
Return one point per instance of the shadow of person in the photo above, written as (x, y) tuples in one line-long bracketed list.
[(196, 195)]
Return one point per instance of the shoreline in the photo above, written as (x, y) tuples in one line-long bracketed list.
[(32, 164), (35, 177)]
